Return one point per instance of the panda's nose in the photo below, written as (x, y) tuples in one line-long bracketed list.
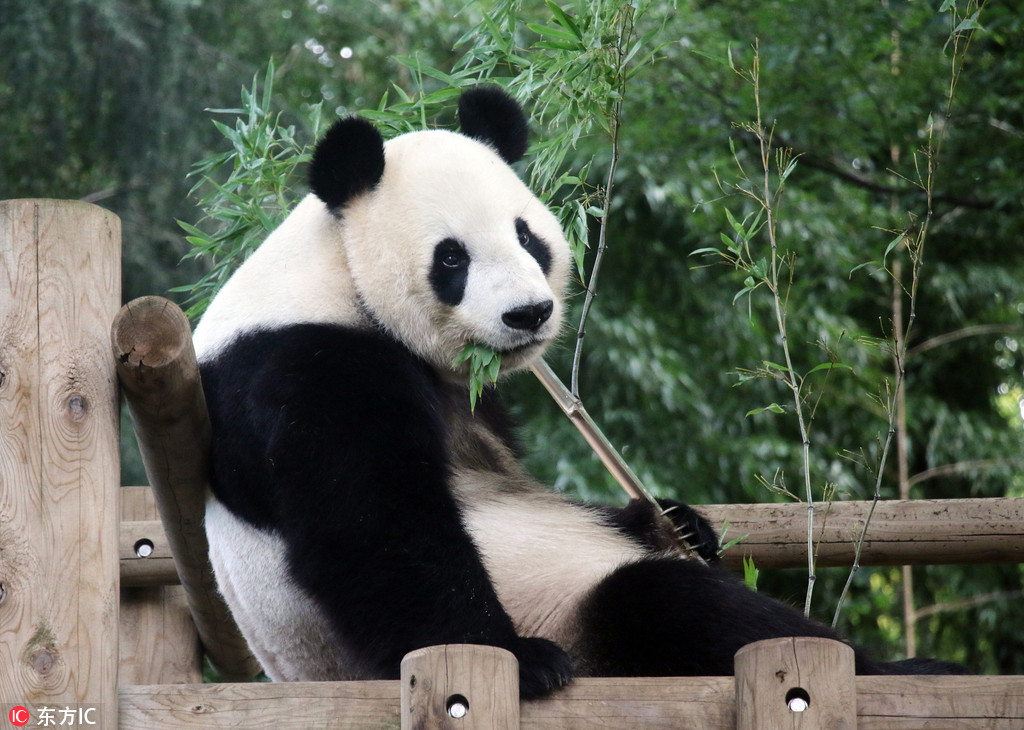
[(529, 316)]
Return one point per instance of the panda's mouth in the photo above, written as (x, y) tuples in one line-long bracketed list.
[(520, 348)]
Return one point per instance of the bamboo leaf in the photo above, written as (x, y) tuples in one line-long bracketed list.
[(970, 23), (829, 366), (774, 408), (564, 20), (750, 573), (556, 33), (736, 225)]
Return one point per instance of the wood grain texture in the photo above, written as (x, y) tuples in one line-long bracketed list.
[(819, 671), (940, 703), (262, 706), (152, 346), (902, 532), (158, 643), (59, 465), (659, 703), (482, 680)]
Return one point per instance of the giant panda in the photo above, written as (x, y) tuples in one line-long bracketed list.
[(360, 509)]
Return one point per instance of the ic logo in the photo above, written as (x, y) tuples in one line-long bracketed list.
[(18, 716)]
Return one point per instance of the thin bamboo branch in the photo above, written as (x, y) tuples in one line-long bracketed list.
[(966, 603), (791, 380), (625, 32), (962, 467), (573, 408), (964, 332), (602, 246)]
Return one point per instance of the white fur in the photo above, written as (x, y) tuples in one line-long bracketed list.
[(299, 274), (543, 554), (285, 630)]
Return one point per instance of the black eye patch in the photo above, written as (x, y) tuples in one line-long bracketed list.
[(449, 272), (533, 245)]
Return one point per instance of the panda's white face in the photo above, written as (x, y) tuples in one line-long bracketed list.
[(450, 248)]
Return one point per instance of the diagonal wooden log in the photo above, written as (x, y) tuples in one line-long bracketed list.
[(152, 344)]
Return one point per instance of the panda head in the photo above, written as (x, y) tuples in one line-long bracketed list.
[(445, 244)]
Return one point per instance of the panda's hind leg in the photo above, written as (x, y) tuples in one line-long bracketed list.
[(673, 617)]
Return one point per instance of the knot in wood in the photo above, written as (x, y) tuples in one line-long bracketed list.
[(77, 407), (42, 662)]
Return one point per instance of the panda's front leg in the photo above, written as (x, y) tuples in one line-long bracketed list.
[(640, 521), (373, 534)]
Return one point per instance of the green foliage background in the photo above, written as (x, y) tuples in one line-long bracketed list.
[(105, 100)]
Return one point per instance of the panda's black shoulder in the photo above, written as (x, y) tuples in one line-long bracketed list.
[(278, 395), (296, 356)]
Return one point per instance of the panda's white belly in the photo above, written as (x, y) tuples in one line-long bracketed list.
[(544, 555), (283, 627)]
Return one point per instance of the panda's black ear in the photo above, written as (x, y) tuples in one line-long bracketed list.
[(348, 160), (489, 114)]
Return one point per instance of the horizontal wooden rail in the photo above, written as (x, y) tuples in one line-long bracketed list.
[(883, 703), (902, 532)]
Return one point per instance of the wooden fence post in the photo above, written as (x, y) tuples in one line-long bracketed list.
[(460, 687), (60, 286), (797, 682)]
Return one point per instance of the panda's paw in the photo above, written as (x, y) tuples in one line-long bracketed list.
[(543, 666), (693, 526)]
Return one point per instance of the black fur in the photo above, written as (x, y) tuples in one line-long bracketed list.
[(332, 437), (669, 617), (534, 246), (449, 271), (638, 520), (491, 411), (348, 160), (488, 114)]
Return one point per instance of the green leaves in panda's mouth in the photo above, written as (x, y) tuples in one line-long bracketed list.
[(484, 365)]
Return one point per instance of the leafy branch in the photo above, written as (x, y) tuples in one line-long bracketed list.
[(912, 239), (245, 192), (773, 272)]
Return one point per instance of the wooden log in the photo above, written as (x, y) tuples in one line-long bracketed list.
[(460, 687), (908, 532), (956, 703), (801, 682), (145, 555), (157, 639), (370, 705), (152, 345), (654, 703), (902, 532), (59, 467)]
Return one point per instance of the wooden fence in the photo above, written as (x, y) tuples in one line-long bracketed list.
[(106, 596)]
